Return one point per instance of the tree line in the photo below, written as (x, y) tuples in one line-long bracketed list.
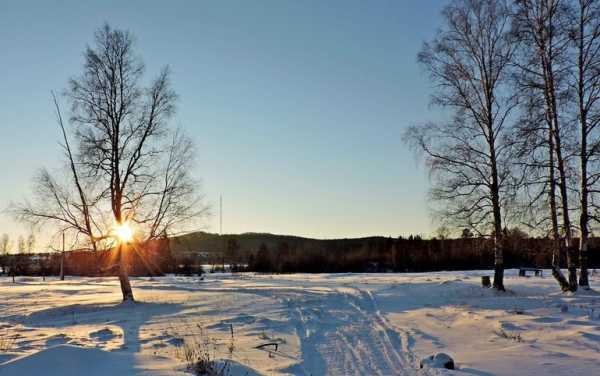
[(23, 244), (519, 83), (268, 253), (156, 260), (282, 254), (412, 254)]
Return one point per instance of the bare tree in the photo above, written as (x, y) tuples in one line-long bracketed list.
[(535, 158), (543, 62), (443, 233), (5, 247), (468, 156), (30, 243), (21, 244), (130, 168), (5, 244), (584, 30)]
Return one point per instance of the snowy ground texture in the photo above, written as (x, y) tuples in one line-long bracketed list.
[(327, 324)]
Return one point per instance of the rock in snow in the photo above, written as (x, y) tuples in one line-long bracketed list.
[(439, 360)]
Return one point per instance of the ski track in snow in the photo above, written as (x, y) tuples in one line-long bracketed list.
[(343, 333)]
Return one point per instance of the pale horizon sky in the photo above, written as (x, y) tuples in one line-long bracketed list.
[(297, 108)]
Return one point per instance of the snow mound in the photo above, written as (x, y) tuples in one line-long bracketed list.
[(67, 360)]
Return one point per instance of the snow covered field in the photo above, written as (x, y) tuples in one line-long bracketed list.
[(328, 324)]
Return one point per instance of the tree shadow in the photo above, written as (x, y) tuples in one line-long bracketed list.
[(130, 317)]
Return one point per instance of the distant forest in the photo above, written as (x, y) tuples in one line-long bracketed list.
[(290, 254), (267, 253)]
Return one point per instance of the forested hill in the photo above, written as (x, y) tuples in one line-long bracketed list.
[(248, 242)]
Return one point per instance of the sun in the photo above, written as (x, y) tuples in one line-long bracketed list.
[(124, 232)]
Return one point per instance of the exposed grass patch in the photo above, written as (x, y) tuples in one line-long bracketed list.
[(197, 349), (7, 342)]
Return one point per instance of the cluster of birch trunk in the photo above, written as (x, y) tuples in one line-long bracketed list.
[(518, 83)]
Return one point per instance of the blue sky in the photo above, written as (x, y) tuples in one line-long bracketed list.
[(297, 107)]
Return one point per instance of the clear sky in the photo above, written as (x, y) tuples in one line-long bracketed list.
[(297, 107)]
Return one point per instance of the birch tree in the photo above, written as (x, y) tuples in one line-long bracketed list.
[(543, 62), (467, 156), (129, 168), (5, 244), (535, 160), (584, 30)]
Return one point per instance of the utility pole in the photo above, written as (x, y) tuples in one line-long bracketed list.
[(221, 230), (62, 259)]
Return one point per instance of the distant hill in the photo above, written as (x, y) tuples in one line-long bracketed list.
[(250, 242)]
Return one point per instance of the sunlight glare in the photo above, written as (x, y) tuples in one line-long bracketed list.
[(124, 232)]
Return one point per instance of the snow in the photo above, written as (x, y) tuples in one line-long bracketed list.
[(324, 324), (74, 360)]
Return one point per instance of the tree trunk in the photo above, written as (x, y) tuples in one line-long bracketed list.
[(583, 160), (552, 109), (124, 276), (123, 273), (583, 215), (495, 196), (571, 256), (556, 246), (498, 235), (583, 274), (545, 32)]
